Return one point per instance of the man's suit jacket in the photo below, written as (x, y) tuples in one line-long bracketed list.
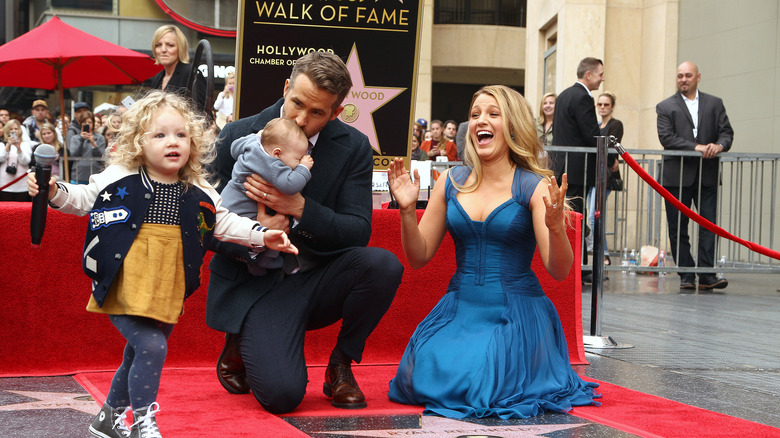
[(336, 216), (675, 131), (575, 124)]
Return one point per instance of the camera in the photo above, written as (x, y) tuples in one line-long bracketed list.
[(11, 169), (14, 136), (85, 128)]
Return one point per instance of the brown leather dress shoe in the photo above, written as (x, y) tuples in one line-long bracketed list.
[(230, 367), (340, 385)]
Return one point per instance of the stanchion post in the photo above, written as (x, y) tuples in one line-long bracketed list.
[(596, 340)]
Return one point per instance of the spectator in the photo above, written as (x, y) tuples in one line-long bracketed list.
[(33, 123), (98, 122), (224, 103), (114, 120), (418, 130), (423, 123), (110, 135), (544, 123), (15, 156), (75, 128), (89, 146), (450, 129), (171, 51), (609, 126), (439, 145), (417, 153), (5, 116), (427, 136), (693, 179), (49, 136), (575, 125), (460, 139)]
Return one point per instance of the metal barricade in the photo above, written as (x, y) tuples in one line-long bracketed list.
[(747, 207)]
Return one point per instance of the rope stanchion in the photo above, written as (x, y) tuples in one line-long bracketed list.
[(687, 211)]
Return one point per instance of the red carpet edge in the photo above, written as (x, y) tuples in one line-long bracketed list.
[(185, 394)]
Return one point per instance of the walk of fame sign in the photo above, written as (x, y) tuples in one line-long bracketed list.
[(377, 39)]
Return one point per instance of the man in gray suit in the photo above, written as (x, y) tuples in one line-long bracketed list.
[(710, 134), (335, 276)]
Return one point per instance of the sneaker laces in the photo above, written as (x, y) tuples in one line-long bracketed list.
[(120, 424), (146, 424)]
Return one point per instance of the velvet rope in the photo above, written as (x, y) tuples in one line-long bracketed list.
[(688, 212), (13, 182)]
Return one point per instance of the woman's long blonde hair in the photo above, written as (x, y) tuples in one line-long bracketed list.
[(519, 129), (139, 121)]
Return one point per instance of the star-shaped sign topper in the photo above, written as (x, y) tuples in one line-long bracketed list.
[(363, 100)]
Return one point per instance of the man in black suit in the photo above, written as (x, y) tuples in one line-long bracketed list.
[(334, 277), (575, 124), (711, 134)]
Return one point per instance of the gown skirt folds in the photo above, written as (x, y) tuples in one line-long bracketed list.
[(494, 344), (151, 281)]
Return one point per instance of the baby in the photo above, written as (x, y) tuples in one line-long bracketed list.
[(278, 154)]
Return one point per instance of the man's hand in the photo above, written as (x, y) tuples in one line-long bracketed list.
[(709, 150), (263, 193)]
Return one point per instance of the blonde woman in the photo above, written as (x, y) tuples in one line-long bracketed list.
[(49, 136), (493, 345), (544, 123), (171, 50)]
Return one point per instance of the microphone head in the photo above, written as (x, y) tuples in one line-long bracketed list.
[(45, 154)]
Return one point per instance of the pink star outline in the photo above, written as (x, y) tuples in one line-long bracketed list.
[(366, 99)]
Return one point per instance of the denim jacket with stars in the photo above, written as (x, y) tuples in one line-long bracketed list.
[(117, 200)]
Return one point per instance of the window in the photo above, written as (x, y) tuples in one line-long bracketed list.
[(488, 12), (93, 5)]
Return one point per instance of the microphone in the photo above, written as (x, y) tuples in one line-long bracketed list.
[(44, 157)]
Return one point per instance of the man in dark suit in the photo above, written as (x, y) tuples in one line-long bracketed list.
[(711, 134), (335, 276), (575, 124)]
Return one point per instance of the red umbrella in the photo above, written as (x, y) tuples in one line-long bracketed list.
[(55, 56)]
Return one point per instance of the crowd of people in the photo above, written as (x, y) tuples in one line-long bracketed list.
[(290, 240)]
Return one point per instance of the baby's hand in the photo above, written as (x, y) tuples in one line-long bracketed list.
[(307, 161), (278, 240)]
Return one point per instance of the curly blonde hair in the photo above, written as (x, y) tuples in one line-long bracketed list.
[(519, 129), (139, 121)]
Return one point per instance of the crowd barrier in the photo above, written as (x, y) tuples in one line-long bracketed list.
[(747, 207)]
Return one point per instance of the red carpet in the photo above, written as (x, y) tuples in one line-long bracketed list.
[(650, 416), (194, 405)]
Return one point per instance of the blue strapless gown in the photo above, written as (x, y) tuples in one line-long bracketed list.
[(493, 345)]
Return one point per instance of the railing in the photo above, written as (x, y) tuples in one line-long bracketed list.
[(747, 207)]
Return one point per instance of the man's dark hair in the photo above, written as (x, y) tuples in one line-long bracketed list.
[(586, 65), (327, 71)]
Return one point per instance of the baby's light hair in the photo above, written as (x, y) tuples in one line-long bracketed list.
[(281, 132), (139, 121)]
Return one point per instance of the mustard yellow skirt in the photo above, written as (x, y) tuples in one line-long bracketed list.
[(150, 281)]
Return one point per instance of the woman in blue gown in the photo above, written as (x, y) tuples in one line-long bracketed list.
[(493, 345)]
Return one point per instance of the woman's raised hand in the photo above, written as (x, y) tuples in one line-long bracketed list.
[(401, 185), (555, 202)]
